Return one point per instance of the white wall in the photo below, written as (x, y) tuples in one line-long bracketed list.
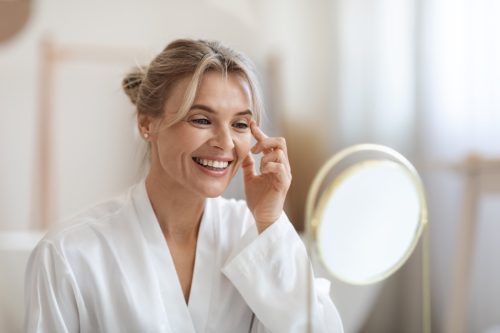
[(88, 97), (296, 35)]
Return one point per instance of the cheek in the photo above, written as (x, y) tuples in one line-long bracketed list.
[(243, 144)]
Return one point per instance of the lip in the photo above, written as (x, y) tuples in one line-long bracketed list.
[(215, 158), (214, 173)]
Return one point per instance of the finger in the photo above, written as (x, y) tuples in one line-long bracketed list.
[(248, 166), (276, 156), (277, 170), (272, 167), (270, 144), (257, 132)]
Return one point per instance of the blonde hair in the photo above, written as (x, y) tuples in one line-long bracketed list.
[(149, 87)]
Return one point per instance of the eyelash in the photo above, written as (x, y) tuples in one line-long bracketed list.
[(241, 125), (200, 121), (205, 122)]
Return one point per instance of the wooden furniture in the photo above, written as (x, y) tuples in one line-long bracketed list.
[(482, 176)]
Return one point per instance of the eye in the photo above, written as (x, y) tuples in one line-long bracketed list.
[(240, 125), (200, 121)]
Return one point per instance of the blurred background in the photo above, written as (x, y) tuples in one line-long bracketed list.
[(421, 76)]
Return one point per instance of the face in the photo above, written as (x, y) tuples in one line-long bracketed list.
[(202, 153)]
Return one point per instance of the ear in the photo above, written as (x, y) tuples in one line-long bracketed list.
[(144, 123)]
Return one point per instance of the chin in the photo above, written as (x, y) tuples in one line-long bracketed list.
[(213, 192)]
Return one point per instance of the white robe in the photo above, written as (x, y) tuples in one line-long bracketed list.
[(110, 270)]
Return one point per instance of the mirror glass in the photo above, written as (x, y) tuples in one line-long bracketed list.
[(368, 221)]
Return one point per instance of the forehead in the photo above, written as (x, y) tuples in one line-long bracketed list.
[(226, 95), (217, 89)]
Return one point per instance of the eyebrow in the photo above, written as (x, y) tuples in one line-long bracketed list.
[(209, 109)]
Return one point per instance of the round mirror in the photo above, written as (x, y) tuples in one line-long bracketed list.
[(368, 219)]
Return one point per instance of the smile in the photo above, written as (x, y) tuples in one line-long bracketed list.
[(212, 164)]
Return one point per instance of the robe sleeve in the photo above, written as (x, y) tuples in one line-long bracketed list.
[(271, 272), (49, 293)]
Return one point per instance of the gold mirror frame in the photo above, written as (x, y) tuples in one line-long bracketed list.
[(313, 215), (318, 220)]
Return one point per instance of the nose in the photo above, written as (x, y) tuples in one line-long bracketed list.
[(222, 138)]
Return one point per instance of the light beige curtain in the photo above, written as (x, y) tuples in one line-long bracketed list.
[(423, 77)]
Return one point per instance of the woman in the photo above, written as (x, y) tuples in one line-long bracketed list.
[(173, 256)]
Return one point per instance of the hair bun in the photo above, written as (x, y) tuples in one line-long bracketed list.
[(132, 82)]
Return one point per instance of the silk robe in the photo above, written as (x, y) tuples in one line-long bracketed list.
[(110, 270)]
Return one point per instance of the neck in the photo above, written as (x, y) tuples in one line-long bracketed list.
[(177, 210)]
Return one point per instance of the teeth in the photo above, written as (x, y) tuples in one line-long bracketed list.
[(211, 163)]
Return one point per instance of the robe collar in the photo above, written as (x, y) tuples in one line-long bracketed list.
[(182, 317)]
